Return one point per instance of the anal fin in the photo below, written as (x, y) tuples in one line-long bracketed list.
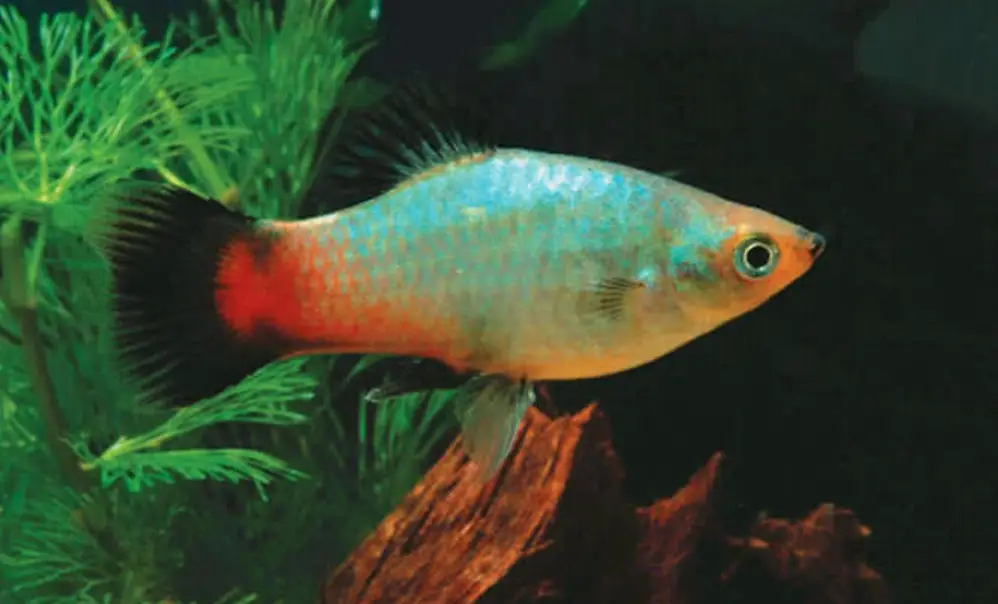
[(490, 409), (409, 375)]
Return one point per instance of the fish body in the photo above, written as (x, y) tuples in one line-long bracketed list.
[(528, 264), (508, 266)]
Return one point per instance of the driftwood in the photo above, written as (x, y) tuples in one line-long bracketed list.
[(553, 526)]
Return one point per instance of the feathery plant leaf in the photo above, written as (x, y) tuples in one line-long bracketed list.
[(553, 16), (55, 551), (141, 469), (263, 398), (56, 554), (79, 118), (298, 63)]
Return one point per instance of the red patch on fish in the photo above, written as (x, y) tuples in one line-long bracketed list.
[(257, 287), (245, 292), (272, 283)]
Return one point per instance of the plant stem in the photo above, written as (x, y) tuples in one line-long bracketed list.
[(19, 298), (10, 336), (17, 289)]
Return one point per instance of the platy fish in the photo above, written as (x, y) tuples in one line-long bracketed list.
[(504, 266)]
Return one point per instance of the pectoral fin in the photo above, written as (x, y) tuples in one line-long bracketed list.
[(610, 300), (490, 409)]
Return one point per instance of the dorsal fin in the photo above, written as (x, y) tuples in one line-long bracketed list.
[(412, 129)]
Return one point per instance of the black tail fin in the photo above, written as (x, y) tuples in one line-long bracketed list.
[(165, 252)]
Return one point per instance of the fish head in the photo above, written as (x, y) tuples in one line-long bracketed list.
[(733, 258)]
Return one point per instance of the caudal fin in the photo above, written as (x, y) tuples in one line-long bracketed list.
[(188, 297)]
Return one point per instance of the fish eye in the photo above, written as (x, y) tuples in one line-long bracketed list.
[(756, 256)]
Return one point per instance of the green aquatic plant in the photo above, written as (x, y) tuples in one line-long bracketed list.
[(97, 484), (104, 495), (551, 18)]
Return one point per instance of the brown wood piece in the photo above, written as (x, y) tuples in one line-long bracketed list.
[(554, 526)]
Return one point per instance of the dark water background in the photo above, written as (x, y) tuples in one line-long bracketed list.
[(868, 383)]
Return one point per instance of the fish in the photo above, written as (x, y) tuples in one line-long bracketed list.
[(493, 268)]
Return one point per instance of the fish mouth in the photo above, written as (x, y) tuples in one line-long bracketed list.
[(815, 243)]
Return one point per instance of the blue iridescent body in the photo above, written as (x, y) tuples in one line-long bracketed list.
[(512, 252)]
